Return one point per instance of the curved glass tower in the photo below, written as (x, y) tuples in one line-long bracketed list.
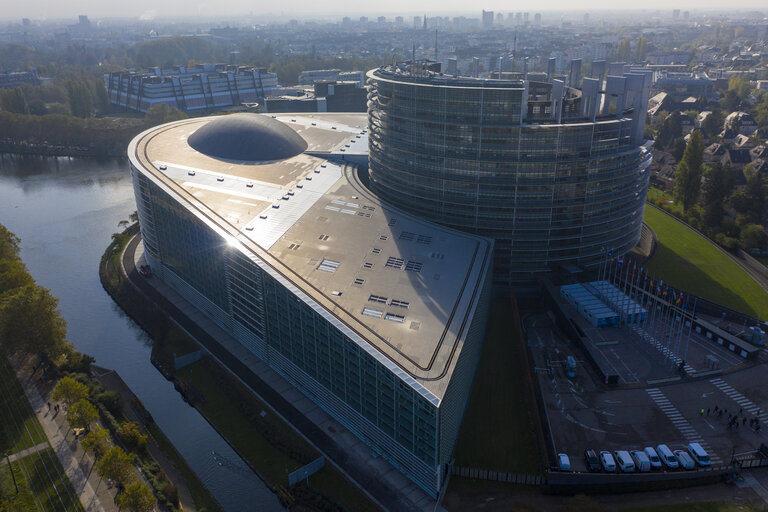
[(554, 174)]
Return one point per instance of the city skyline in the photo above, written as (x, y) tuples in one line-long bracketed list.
[(144, 9)]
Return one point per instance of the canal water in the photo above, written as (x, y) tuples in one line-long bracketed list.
[(65, 211)]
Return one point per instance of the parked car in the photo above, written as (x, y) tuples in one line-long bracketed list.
[(699, 454), (606, 460), (642, 462), (653, 457), (684, 459), (667, 457), (593, 463), (624, 461), (145, 270), (563, 462)]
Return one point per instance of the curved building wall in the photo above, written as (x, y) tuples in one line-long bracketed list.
[(464, 156)]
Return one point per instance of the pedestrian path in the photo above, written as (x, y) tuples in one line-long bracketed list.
[(744, 402), (23, 453), (56, 437), (661, 347), (678, 420)]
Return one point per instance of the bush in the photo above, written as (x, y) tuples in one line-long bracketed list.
[(112, 400), (131, 435)]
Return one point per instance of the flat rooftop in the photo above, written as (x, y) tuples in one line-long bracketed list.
[(406, 287)]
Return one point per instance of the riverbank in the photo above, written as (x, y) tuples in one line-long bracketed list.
[(265, 442), (114, 283)]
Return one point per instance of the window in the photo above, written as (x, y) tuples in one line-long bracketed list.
[(372, 312), (414, 266), (369, 208), (363, 214), (328, 265), (368, 265), (323, 237), (424, 239), (393, 317), (294, 247), (393, 262), (359, 281), (377, 298), (399, 303), (407, 236), (376, 250), (384, 237), (392, 222)]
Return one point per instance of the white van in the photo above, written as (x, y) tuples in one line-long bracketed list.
[(685, 460), (653, 457), (699, 454), (624, 461), (667, 457), (642, 462)]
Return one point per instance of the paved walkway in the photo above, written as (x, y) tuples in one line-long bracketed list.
[(94, 495), (23, 453)]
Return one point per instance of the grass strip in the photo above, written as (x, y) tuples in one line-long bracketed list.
[(689, 262), (497, 432)]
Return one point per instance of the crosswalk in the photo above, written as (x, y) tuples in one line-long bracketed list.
[(665, 351), (680, 423), (737, 397)]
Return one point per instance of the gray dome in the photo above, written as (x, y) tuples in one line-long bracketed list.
[(249, 137)]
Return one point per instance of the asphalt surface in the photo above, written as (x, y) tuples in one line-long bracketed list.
[(386, 496)]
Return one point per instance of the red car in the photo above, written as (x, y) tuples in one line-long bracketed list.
[(145, 271)]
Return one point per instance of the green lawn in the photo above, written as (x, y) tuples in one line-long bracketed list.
[(497, 431), (43, 486), (19, 428), (688, 261)]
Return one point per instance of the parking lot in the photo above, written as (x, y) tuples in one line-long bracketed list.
[(635, 413)]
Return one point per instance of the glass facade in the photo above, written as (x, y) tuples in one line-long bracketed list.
[(467, 154), (351, 380)]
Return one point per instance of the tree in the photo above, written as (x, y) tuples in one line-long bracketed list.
[(29, 321), (69, 391), (80, 99), (9, 245), (716, 187), (13, 274), (131, 435), (641, 50), (137, 497), (712, 124), (688, 173), (81, 414), (115, 465), (14, 101), (753, 236), (97, 442), (162, 113), (624, 51), (751, 201), (671, 129)]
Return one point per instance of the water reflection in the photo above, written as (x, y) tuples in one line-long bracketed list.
[(65, 211)]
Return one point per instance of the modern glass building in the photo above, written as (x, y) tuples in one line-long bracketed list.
[(553, 174), (376, 315)]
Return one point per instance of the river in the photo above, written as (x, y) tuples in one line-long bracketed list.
[(65, 210)]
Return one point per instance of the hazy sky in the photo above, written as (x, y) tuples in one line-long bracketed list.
[(48, 9)]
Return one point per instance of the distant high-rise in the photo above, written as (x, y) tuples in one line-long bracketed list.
[(487, 19), (676, 14), (537, 19)]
